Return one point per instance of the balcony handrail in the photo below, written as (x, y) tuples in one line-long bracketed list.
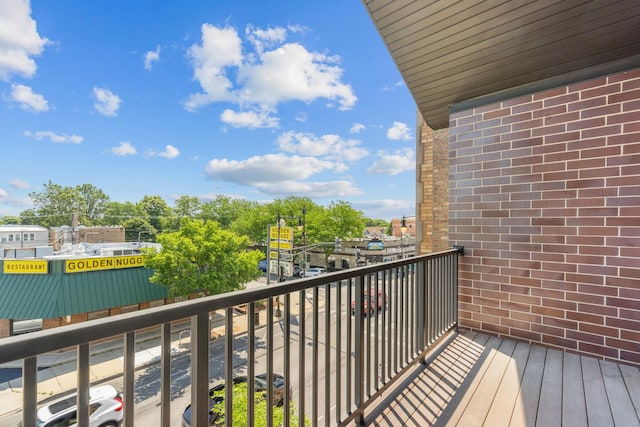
[(422, 292), (50, 340)]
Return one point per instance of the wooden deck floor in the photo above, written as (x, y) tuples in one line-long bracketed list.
[(480, 380)]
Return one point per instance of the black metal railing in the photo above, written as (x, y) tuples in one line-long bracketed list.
[(340, 339)]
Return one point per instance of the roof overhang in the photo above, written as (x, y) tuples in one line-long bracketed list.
[(458, 54)]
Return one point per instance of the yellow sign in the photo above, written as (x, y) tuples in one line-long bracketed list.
[(286, 233), (25, 266), (283, 245), (94, 264)]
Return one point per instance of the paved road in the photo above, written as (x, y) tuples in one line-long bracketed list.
[(147, 381)]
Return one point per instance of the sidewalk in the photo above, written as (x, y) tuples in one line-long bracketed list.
[(57, 371)]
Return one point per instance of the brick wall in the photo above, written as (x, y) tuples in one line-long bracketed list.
[(432, 174), (544, 194)]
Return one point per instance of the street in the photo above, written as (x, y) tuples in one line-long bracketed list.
[(147, 379)]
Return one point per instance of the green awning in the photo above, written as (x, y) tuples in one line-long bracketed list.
[(46, 296)]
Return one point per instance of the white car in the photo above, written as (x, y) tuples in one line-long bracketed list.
[(105, 409), (313, 271)]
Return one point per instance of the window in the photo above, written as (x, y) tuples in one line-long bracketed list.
[(11, 237)]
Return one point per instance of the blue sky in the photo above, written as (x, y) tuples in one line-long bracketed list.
[(251, 99)]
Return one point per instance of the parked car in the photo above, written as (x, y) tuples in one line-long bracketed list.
[(260, 382), (105, 409), (296, 271), (262, 265), (313, 271), (370, 303)]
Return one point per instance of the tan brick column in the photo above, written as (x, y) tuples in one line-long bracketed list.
[(432, 188)]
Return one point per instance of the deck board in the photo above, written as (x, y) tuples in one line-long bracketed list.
[(622, 409), (574, 410), (524, 414), (500, 415), (550, 406), (598, 409), (481, 380)]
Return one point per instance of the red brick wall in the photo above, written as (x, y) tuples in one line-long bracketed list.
[(545, 196)]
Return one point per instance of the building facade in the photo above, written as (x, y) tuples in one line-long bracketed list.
[(15, 236)]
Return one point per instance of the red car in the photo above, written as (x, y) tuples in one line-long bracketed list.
[(370, 302)]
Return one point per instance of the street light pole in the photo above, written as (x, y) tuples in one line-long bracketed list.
[(403, 229), (302, 224), (280, 278), (139, 233)]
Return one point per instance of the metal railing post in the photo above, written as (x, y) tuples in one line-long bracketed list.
[(200, 370), (359, 349)]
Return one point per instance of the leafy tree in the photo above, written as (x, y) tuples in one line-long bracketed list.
[(10, 220), (225, 210), (240, 403), (93, 203), (156, 209), (202, 258), (116, 213), (185, 206), (369, 222), (138, 229), (337, 221), (253, 222), (56, 205)]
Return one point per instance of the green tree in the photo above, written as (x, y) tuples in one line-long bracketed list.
[(93, 202), (369, 222), (10, 220), (157, 211), (56, 205), (253, 222), (185, 206), (240, 403), (336, 221), (116, 213), (138, 229), (202, 258), (225, 210)]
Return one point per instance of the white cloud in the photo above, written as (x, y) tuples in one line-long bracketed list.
[(397, 84), (301, 117), (124, 149), (279, 174), (357, 128), (19, 39), (272, 73), (386, 208), (8, 200), (54, 137), (400, 161), (329, 189), (265, 38), (106, 102), (170, 152), (249, 119), (150, 57), (399, 131), (331, 146), (270, 167), (28, 100), (19, 184), (220, 48)]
